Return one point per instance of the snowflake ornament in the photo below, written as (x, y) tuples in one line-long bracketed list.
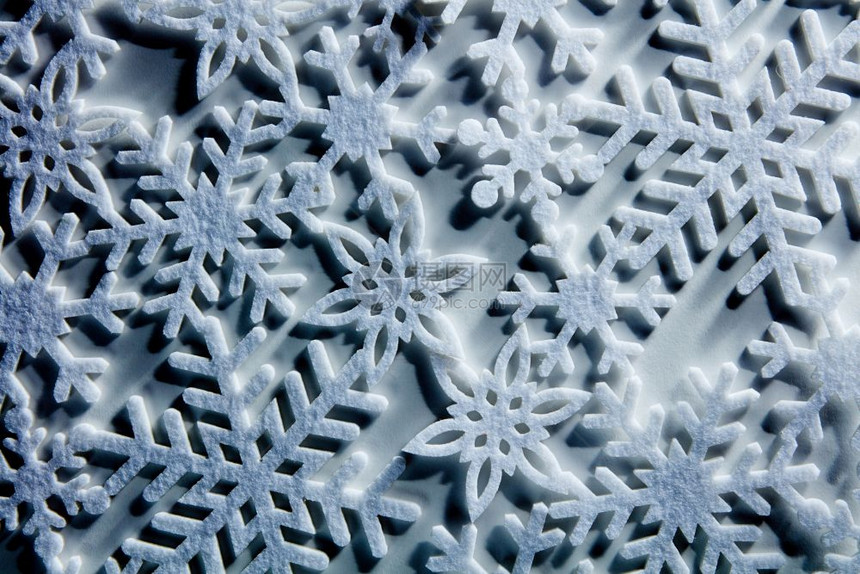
[(390, 292), (495, 420), (324, 137), (746, 145), (26, 301), (571, 44), (245, 463), (211, 220), (236, 30), (683, 488), (49, 140), (530, 151), (359, 122), (34, 482), (585, 300)]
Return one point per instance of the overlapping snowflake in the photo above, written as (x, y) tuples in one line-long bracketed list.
[(744, 147)]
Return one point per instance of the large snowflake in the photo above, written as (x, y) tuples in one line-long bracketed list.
[(750, 145), (584, 300), (256, 472)]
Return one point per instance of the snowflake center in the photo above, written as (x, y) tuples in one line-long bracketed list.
[(41, 139), (209, 221), (838, 365), (500, 419), (33, 482), (530, 152), (683, 493), (359, 125), (586, 300), (29, 317)]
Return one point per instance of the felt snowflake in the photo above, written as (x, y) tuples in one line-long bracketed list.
[(835, 375), (584, 300), (530, 151), (495, 420), (33, 315), (19, 37), (683, 488), (211, 220), (749, 145), (48, 139), (237, 30), (571, 44), (392, 290), (256, 471), (360, 122), (34, 482), (744, 143)]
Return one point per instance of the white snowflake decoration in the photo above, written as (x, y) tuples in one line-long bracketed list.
[(745, 147)]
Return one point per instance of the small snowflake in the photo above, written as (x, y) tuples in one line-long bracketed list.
[(360, 123), (585, 300), (35, 483), (530, 151)]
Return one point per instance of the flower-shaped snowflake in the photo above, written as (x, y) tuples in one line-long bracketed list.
[(497, 422), (48, 142), (390, 289), (234, 30)]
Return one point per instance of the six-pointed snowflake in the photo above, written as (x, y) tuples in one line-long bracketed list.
[(746, 144)]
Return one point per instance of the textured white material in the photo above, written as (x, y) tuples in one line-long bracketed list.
[(487, 286)]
